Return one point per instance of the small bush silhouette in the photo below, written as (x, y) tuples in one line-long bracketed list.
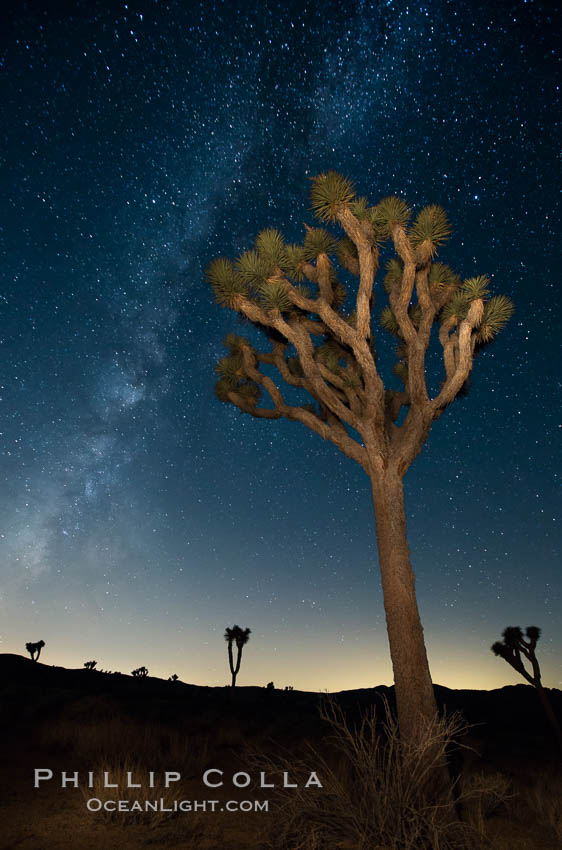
[(270, 686), (140, 673), (33, 648), (89, 665), (174, 678)]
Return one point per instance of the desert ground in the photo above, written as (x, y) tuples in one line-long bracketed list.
[(506, 774)]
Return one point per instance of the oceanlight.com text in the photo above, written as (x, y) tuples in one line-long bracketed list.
[(94, 804)]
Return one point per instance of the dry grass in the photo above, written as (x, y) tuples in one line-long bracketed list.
[(483, 794), (379, 794), (112, 739), (544, 798), (122, 775)]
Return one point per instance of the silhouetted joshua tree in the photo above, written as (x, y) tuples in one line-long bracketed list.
[(140, 673), (240, 637), (89, 665), (33, 648), (173, 678), (513, 647), (322, 345)]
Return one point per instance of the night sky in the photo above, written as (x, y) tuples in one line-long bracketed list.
[(139, 516)]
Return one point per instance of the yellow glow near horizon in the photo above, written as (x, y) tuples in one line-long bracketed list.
[(315, 671)]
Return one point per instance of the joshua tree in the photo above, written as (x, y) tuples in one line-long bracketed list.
[(511, 649), (317, 345), (140, 673), (33, 648), (240, 637), (89, 665)]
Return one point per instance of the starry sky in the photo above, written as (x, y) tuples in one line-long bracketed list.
[(139, 516)]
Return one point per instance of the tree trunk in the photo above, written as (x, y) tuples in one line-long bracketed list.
[(415, 698), (231, 665), (550, 714)]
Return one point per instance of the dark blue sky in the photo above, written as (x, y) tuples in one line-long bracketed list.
[(139, 516)]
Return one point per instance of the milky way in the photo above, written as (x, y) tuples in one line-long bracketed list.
[(139, 515)]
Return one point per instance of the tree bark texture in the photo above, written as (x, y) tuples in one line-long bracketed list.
[(415, 698)]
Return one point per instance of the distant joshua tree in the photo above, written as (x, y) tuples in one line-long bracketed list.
[(511, 649), (240, 637), (174, 678), (89, 665), (33, 648), (140, 673)]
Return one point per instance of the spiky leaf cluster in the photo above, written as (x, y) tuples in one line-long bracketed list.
[(247, 390), (304, 291), (388, 321), (235, 342), (346, 253), (294, 366), (456, 306), (442, 275), (330, 191), (402, 351), (497, 313), (226, 283), (228, 368), (274, 296), (393, 276), (476, 287), (361, 209), (513, 640), (270, 245), (512, 635), (443, 282), (319, 241), (351, 380), (388, 212), (500, 649), (293, 261), (340, 295), (431, 228), (254, 269), (330, 354)]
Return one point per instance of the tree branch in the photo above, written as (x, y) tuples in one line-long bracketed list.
[(400, 299), (368, 262), (338, 435), (463, 364)]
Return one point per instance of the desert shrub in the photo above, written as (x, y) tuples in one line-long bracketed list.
[(378, 793)]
